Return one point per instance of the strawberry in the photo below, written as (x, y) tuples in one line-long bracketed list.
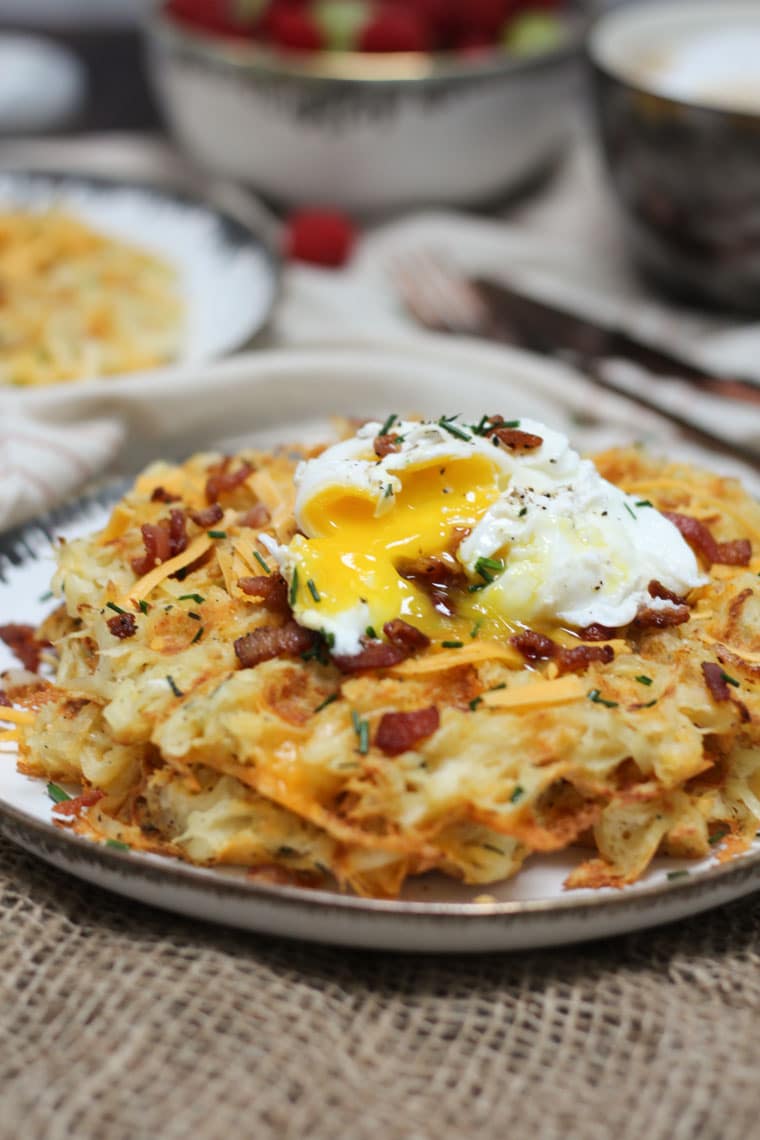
[(211, 15), (441, 19), (319, 236), (482, 18), (293, 28), (394, 27)]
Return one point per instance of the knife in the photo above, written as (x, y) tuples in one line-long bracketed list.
[(546, 329), (517, 319)]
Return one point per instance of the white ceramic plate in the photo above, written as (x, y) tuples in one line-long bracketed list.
[(284, 393), (227, 276)]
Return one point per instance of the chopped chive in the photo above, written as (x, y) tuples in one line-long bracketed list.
[(361, 728), (630, 512), (492, 847), (216, 533), (261, 562), (313, 590), (329, 638), (198, 635), (197, 598), (388, 424), (293, 587), (523, 512), (46, 596), (517, 794), (116, 609), (495, 688), (452, 644), (447, 423), (371, 633), (719, 833), (327, 701), (479, 428), (644, 503), (649, 704), (730, 680), (57, 794), (677, 875), (475, 629), (173, 686), (595, 696), (475, 702), (476, 587), (388, 491), (117, 845), (511, 424), (643, 679), (144, 606), (485, 567), (192, 614)]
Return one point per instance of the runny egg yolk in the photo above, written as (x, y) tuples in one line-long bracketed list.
[(384, 562), (462, 534)]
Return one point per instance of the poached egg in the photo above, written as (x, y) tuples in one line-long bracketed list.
[(465, 530)]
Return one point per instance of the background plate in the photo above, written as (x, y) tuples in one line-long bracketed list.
[(227, 272), (435, 914)]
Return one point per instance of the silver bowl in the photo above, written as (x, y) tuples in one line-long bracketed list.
[(361, 131)]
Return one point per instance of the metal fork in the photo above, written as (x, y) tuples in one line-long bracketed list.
[(442, 299), (438, 296)]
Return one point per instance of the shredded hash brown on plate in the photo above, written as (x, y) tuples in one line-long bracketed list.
[(201, 721), (77, 304)]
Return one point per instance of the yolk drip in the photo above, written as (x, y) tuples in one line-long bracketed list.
[(358, 557)]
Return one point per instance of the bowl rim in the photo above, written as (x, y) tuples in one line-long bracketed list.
[(608, 71), (365, 69)]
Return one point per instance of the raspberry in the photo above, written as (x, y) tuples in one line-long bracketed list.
[(395, 28), (294, 29), (319, 236)]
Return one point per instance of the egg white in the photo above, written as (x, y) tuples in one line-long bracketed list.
[(563, 545)]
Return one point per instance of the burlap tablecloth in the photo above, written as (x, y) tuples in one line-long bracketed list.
[(120, 1022)]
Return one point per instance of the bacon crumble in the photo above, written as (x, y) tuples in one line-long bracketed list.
[(657, 590), (161, 495), (122, 625), (700, 538), (405, 636), (386, 444), (649, 618), (271, 588), (400, 731), (221, 480), (23, 643), (438, 576), (373, 655), (78, 804), (268, 642), (255, 517), (716, 682), (162, 541), (536, 646), (596, 632), (208, 516)]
